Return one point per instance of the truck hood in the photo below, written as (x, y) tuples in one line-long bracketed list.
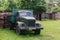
[(29, 18)]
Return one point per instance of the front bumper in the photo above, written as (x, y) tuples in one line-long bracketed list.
[(31, 28)]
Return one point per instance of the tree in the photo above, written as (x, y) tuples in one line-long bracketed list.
[(14, 4), (18, 4), (3, 5), (40, 8), (57, 6), (26, 4), (56, 9), (35, 5)]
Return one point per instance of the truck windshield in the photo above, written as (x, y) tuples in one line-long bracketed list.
[(26, 14)]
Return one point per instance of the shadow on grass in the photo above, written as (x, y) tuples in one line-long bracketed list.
[(30, 35)]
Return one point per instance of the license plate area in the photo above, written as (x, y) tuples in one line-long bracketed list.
[(32, 28)]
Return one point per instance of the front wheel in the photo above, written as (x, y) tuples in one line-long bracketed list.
[(37, 31), (19, 31)]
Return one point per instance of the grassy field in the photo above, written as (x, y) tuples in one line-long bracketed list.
[(51, 32)]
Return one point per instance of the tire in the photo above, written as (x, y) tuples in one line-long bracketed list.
[(11, 27), (37, 31), (19, 31)]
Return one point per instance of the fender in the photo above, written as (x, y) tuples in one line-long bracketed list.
[(38, 24)]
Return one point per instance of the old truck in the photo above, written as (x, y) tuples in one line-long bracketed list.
[(25, 20)]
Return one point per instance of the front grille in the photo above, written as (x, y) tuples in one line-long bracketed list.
[(31, 23)]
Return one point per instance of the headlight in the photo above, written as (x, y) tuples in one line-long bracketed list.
[(23, 25), (37, 25)]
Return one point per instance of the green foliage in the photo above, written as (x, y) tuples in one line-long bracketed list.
[(36, 5), (41, 6), (56, 9), (3, 5), (18, 4), (28, 4), (9, 5), (14, 4), (58, 2), (41, 9)]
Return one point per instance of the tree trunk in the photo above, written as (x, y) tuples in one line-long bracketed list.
[(40, 17)]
